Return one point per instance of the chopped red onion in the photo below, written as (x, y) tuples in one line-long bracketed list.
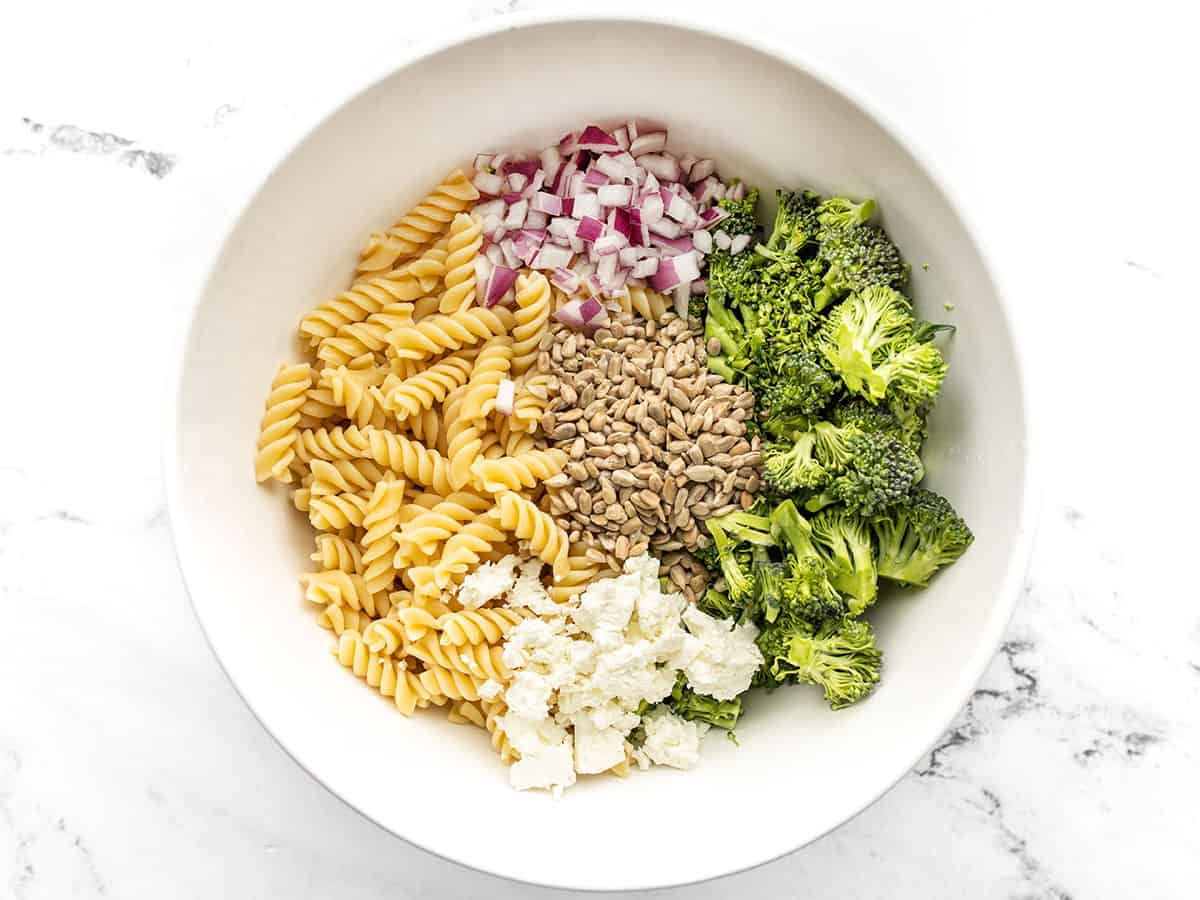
[(737, 192), (722, 240), (682, 294), (652, 209), (702, 240), (536, 219), (616, 284), (551, 256), (563, 227), (517, 181), (488, 183), (494, 254), (565, 279), (612, 168), (739, 243), (586, 315), (610, 243), (701, 170), (498, 284), (621, 136), (628, 257), (483, 269), (615, 195), (685, 165), (569, 314), (490, 208), (547, 203), (498, 235), (567, 143), (595, 178), (536, 234), (700, 286), (666, 228), (483, 162), (687, 266), (516, 214), (589, 228), (576, 243), (535, 184), (711, 216), (664, 278), (678, 208), (606, 269), (650, 185), (510, 196), (596, 138), (509, 248), (620, 223), (632, 128), (662, 165), (551, 162), (563, 179), (506, 393), (524, 167), (590, 308), (493, 223), (673, 246), (586, 205), (653, 142), (709, 190), (645, 268), (575, 184)]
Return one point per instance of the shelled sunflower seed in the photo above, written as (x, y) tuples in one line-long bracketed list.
[(657, 443)]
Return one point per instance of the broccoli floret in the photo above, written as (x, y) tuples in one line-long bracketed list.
[(838, 213), (731, 560), (868, 341), (741, 215), (838, 655), (844, 540), (784, 423), (857, 258), (906, 421), (918, 537), (797, 382), (687, 704), (796, 226), (791, 530), (791, 468), (870, 470), (717, 604), (806, 592), (923, 331), (746, 525)]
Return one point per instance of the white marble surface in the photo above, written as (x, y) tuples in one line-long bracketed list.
[(128, 766)]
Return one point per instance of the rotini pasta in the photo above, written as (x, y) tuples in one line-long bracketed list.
[(380, 520), (415, 461), (277, 435), (421, 226), (412, 396), (369, 336), (425, 533), (334, 552), (511, 473), (546, 537), (442, 333), (343, 589), (532, 398), (392, 679), (480, 661), (492, 366), (335, 511), (466, 238), (531, 318), (463, 551), (478, 626), (350, 389)]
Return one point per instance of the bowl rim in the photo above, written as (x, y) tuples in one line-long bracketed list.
[(280, 149)]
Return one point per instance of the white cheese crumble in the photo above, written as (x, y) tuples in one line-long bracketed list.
[(583, 669), (488, 582)]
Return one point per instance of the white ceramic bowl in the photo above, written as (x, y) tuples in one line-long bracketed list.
[(800, 770)]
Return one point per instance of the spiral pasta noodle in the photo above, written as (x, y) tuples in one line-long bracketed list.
[(413, 460), (545, 537), (441, 333), (331, 443), (478, 626), (531, 319), (379, 542), (278, 431), (531, 401), (423, 534), (343, 589), (334, 552), (494, 723), (335, 511), (466, 239), (341, 618), (350, 389), (371, 294), (582, 570), (480, 661), (511, 473), (392, 679), (492, 366), (370, 336), (464, 550), (427, 220), (418, 394)]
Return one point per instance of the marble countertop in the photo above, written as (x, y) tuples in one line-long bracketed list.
[(129, 767)]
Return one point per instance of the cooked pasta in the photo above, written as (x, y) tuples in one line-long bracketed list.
[(532, 316), (478, 626), (545, 536), (492, 366), (511, 473), (442, 333), (341, 618), (466, 239), (334, 552), (423, 534), (343, 589), (532, 398), (420, 227), (350, 389), (335, 511), (277, 435), (419, 393), (370, 336), (415, 461), (379, 542), (463, 551)]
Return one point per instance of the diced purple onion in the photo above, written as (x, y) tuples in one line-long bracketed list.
[(687, 266), (524, 167), (615, 195), (628, 257), (722, 240), (678, 209), (483, 161), (562, 180), (565, 279), (650, 185), (711, 216), (701, 170), (583, 315), (652, 209), (653, 142), (547, 203), (509, 248), (575, 184), (490, 208), (632, 128), (666, 228), (708, 190), (576, 243), (500, 160), (682, 294), (612, 168), (703, 241), (551, 162), (563, 227), (516, 214), (536, 219), (662, 165), (685, 166), (737, 192), (595, 178), (551, 256), (569, 314), (488, 183), (567, 143), (621, 136), (586, 205), (606, 269), (535, 184), (645, 268), (620, 223), (589, 228), (506, 393), (664, 278), (517, 182), (498, 284), (511, 196), (483, 269), (609, 243), (494, 254), (596, 138), (739, 243), (673, 246), (492, 222)]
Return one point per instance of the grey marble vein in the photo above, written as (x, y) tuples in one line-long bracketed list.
[(73, 139)]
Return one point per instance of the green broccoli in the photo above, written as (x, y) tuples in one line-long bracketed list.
[(906, 421), (838, 213), (868, 340), (796, 226), (838, 655), (718, 605), (687, 704), (797, 382), (732, 561), (844, 541), (919, 536), (856, 257), (870, 470), (791, 468), (806, 592)]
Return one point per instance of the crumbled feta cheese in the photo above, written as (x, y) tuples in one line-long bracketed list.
[(488, 582), (670, 740), (597, 750), (529, 695), (607, 604), (728, 657), (547, 757), (490, 689), (528, 591)]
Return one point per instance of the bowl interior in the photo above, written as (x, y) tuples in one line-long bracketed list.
[(799, 770)]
